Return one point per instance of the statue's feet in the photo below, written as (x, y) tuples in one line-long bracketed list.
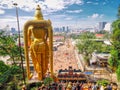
[(30, 76)]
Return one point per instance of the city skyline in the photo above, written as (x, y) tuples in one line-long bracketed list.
[(75, 13)]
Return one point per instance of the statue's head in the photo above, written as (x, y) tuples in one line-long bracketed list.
[(38, 14)]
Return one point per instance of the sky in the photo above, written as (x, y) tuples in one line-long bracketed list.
[(73, 13)]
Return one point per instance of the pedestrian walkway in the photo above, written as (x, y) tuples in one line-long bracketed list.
[(65, 57)]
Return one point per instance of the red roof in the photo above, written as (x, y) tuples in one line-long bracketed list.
[(58, 37), (99, 35)]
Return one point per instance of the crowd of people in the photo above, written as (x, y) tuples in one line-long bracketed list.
[(76, 85), (64, 57), (79, 86)]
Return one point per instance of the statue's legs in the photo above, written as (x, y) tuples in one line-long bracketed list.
[(46, 60), (37, 59), (40, 59)]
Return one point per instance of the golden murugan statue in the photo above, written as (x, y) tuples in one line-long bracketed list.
[(38, 39)]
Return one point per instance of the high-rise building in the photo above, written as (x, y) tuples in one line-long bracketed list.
[(108, 27), (67, 29), (63, 28), (13, 31), (102, 25)]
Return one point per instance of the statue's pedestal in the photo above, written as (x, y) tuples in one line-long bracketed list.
[(33, 81)]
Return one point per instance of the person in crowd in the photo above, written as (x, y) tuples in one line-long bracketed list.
[(24, 87), (109, 87), (105, 87), (98, 88), (89, 86), (74, 86), (94, 87), (101, 87), (39, 88), (64, 86), (60, 86), (69, 87), (44, 88), (85, 86), (53, 86), (79, 86), (114, 86)]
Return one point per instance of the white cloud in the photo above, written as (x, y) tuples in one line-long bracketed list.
[(75, 11), (96, 15), (55, 4), (49, 5), (68, 18), (58, 16), (2, 11), (104, 3), (101, 16), (78, 1), (7, 21), (12, 21), (94, 3), (88, 2)]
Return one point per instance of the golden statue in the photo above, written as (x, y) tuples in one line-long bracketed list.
[(38, 38)]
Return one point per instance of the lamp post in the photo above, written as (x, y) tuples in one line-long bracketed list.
[(19, 42)]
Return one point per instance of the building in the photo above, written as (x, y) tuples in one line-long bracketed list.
[(72, 75), (62, 29), (99, 35), (108, 27), (102, 25), (100, 59), (13, 31)]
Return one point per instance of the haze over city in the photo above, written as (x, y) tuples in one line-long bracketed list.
[(75, 13)]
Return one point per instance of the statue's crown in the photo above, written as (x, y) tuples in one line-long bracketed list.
[(38, 13)]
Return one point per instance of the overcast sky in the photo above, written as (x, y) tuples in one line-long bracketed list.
[(82, 13)]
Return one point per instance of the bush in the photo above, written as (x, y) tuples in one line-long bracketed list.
[(48, 80), (103, 82), (34, 85)]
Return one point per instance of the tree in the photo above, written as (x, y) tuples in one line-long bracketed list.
[(114, 60), (10, 75), (118, 12), (3, 67), (48, 80), (102, 32), (9, 47), (118, 73), (86, 45)]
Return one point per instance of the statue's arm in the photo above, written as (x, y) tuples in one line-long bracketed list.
[(29, 36), (26, 49), (50, 35)]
